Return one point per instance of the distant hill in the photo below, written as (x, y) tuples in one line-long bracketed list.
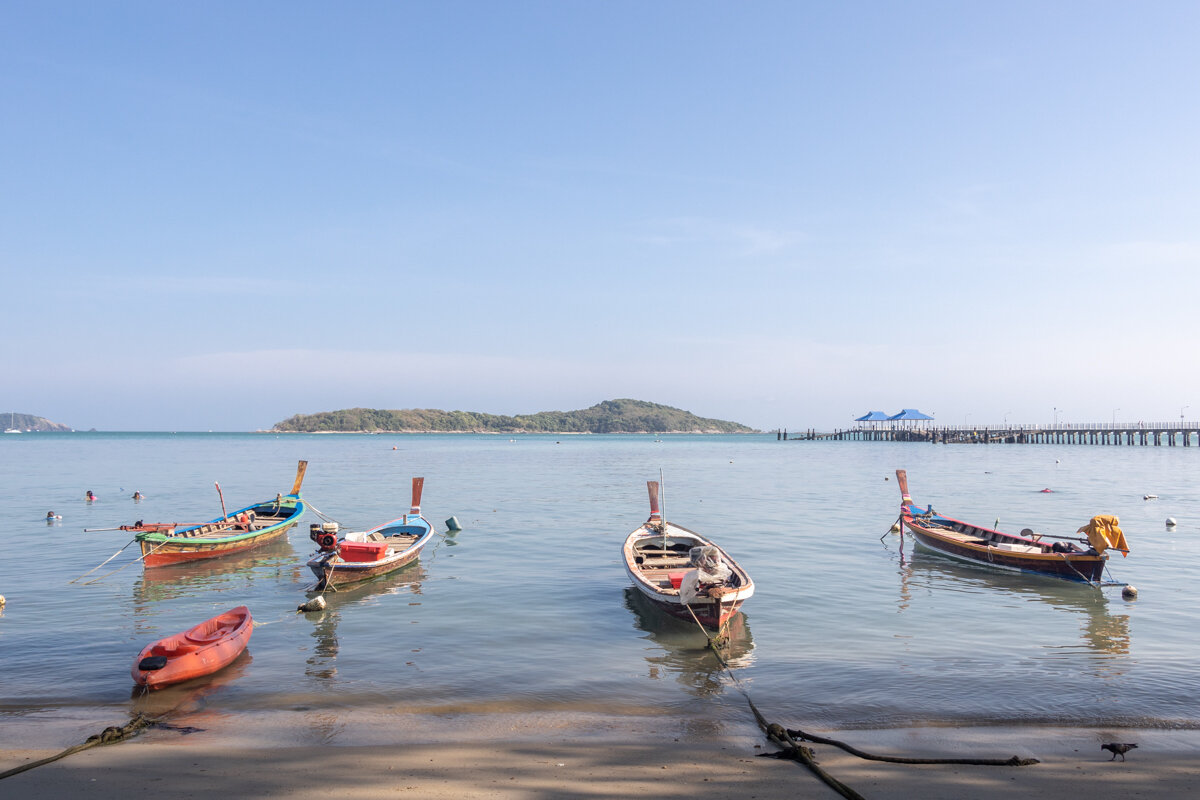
[(28, 422), (611, 416)]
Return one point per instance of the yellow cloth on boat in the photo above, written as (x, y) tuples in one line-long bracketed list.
[(1103, 533)]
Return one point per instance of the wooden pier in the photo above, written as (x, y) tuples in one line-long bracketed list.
[(1168, 434)]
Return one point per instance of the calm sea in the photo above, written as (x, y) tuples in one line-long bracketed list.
[(526, 610)]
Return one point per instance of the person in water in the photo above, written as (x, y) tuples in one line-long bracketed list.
[(90, 496), (137, 496), (50, 516)]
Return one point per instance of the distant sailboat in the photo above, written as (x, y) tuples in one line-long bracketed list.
[(12, 423)]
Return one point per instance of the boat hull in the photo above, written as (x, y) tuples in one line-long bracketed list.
[(201, 650), (656, 586), (1079, 567), (335, 574), (166, 552)]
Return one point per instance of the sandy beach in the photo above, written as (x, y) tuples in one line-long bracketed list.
[(576, 764)]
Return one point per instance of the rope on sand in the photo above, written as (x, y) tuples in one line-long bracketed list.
[(110, 735), (790, 749)]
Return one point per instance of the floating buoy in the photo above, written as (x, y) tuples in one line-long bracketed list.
[(895, 527), (316, 604), (2, 601), (1149, 497), (452, 524), (1170, 522), (1129, 592), (1047, 491)]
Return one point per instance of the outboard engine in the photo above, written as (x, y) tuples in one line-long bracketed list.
[(325, 535)]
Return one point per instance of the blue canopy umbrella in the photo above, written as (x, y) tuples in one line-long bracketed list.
[(910, 415)]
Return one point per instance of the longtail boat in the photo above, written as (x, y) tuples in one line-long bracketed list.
[(682, 572), (198, 651), (1082, 557), (167, 543), (362, 555)]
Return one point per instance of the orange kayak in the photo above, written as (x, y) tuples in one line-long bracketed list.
[(198, 651)]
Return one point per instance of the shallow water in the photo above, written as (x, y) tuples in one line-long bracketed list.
[(528, 610)]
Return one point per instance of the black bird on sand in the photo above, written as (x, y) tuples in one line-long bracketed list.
[(1118, 749)]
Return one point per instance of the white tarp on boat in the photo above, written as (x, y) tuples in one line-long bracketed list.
[(710, 570)]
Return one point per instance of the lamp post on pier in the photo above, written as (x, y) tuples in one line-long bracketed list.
[(1115, 410)]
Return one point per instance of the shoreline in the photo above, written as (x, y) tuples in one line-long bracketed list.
[(670, 759)]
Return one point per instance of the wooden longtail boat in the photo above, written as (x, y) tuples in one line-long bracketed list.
[(202, 650), (164, 544), (362, 555), (683, 573), (1061, 557)]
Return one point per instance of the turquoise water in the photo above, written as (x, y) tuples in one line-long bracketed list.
[(527, 608)]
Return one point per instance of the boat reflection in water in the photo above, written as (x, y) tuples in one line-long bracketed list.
[(320, 664), (185, 704), (683, 648), (274, 563), (1102, 631)]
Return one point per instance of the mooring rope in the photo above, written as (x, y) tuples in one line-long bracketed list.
[(105, 561), (791, 749), (123, 566), (110, 735)]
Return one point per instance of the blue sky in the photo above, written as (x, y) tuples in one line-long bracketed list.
[(215, 215)]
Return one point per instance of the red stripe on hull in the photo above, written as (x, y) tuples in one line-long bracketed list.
[(187, 551), (346, 574)]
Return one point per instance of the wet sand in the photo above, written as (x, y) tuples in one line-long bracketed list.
[(577, 763)]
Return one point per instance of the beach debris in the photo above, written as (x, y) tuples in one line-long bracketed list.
[(316, 604), (1149, 497), (1171, 522), (1129, 592), (1118, 749)]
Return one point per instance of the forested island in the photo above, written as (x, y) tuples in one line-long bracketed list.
[(610, 416), (31, 422)]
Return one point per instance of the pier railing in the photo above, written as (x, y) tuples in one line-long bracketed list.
[(1106, 433)]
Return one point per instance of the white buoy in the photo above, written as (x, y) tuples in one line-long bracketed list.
[(452, 524), (316, 604), (1170, 522), (895, 527), (2, 601), (1129, 592)]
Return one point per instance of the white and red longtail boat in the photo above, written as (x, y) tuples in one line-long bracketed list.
[(682, 572), (1076, 558), (362, 555)]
